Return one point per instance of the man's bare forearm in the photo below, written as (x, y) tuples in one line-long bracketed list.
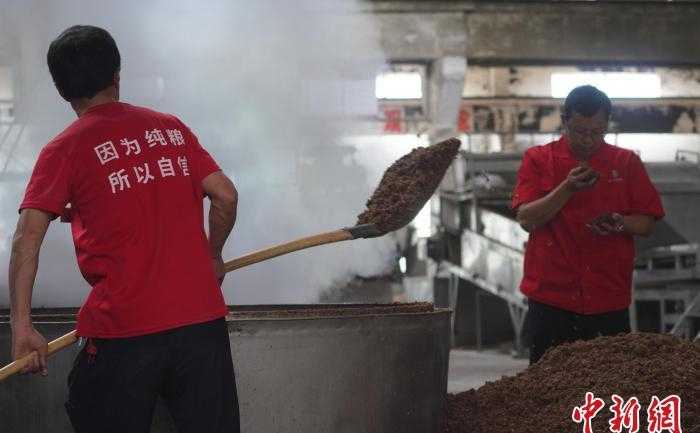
[(539, 212), (638, 225), (222, 213), (222, 218), (24, 262), (23, 268)]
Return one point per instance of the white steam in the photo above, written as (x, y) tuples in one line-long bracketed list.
[(271, 88)]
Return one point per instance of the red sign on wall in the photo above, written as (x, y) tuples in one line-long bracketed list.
[(393, 119), (464, 120)]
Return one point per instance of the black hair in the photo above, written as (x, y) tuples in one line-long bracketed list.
[(586, 101), (82, 61)]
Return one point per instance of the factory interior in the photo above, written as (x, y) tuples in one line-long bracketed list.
[(304, 104)]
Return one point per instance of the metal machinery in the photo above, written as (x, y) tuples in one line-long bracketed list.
[(666, 291), (480, 242)]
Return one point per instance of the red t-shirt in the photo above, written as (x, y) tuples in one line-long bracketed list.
[(567, 265), (133, 178)]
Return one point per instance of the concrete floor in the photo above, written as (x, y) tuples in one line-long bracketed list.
[(472, 369)]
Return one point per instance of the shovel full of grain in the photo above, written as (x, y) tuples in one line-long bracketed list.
[(405, 187)]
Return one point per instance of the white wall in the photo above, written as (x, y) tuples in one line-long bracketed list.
[(6, 87)]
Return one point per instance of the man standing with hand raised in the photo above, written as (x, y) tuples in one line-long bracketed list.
[(582, 201)]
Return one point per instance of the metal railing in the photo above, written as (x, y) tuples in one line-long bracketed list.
[(687, 156), (683, 323)]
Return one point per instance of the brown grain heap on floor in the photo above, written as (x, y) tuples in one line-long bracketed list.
[(541, 399), (407, 184), (335, 310)]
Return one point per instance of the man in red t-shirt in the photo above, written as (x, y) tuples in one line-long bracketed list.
[(131, 181), (582, 201)]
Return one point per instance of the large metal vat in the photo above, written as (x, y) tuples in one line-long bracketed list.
[(367, 371)]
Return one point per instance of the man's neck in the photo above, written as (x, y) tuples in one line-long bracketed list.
[(81, 106)]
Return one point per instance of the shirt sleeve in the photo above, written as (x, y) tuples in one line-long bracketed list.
[(528, 186), (645, 199), (49, 186)]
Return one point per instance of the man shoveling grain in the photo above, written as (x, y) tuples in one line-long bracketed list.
[(583, 201), (154, 320)]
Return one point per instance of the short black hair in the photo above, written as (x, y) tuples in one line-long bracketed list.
[(82, 61), (586, 101)]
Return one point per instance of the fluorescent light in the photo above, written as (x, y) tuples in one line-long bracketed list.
[(402, 265), (399, 85), (614, 84)]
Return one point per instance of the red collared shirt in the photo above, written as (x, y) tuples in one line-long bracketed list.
[(567, 265)]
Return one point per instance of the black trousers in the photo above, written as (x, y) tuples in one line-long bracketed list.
[(114, 383), (548, 326)]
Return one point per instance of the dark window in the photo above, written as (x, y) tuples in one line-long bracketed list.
[(640, 265), (648, 316), (668, 262), (674, 306), (688, 261)]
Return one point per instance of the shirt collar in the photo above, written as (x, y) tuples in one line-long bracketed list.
[(107, 106)]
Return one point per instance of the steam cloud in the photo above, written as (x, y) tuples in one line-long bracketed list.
[(271, 88)]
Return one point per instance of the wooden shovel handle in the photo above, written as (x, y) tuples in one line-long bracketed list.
[(248, 259), (54, 346), (278, 250)]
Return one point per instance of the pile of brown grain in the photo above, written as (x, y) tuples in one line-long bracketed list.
[(541, 399), (407, 185)]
